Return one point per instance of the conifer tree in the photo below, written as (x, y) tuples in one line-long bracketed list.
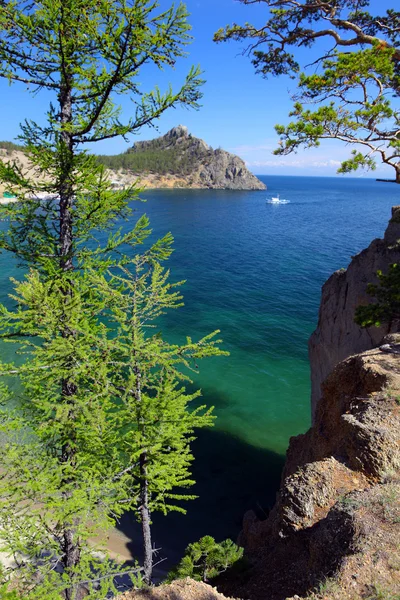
[(349, 89), (156, 426), (206, 559), (68, 451)]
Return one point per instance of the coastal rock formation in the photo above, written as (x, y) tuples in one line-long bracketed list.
[(337, 336), (338, 510), (184, 589), (175, 160), (334, 533), (180, 160)]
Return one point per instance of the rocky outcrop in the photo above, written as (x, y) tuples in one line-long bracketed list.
[(184, 589), (334, 533), (191, 163), (337, 336), (338, 508)]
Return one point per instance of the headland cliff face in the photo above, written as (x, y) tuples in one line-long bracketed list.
[(334, 532), (337, 515), (180, 160), (337, 335), (174, 160)]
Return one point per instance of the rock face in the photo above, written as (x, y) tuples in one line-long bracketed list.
[(338, 510), (184, 589), (194, 164), (337, 336)]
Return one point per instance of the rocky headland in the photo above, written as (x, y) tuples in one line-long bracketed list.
[(180, 160), (174, 160), (335, 529), (334, 532)]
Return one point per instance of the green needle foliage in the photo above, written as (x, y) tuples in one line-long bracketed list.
[(386, 293), (350, 92), (98, 420), (353, 88), (205, 559), (153, 417), (359, 88)]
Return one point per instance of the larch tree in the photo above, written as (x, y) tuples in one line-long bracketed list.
[(71, 459), (353, 78), (154, 424)]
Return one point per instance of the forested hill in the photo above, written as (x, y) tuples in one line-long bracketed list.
[(178, 159), (176, 153)]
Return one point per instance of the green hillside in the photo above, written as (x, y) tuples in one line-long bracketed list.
[(10, 146), (161, 156)]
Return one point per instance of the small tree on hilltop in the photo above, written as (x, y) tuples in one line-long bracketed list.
[(68, 453), (358, 88)]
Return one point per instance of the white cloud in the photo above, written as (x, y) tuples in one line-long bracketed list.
[(295, 163)]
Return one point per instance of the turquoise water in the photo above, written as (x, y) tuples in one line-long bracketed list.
[(253, 270)]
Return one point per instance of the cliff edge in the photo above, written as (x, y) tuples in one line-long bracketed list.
[(335, 529), (334, 532), (337, 336), (183, 589)]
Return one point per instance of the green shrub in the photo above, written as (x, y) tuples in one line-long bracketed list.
[(205, 559), (387, 295)]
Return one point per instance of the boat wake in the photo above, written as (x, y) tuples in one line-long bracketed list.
[(277, 200)]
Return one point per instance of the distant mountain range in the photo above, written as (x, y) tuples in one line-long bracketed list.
[(177, 159)]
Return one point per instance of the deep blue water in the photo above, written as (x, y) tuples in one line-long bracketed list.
[(253, 270)]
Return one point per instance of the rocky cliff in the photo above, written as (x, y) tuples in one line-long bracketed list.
[(334, 533), (337, 336), (179, 159), (335, 528), (175, 160)]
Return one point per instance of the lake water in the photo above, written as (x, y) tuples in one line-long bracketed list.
[(253, 270)]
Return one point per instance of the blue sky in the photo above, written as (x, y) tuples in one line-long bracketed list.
[(239, 109)]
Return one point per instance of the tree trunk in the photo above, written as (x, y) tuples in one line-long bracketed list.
[(145, 516), (70, 559), (66, 191), (71, 547), (398, 174), (145, 513)]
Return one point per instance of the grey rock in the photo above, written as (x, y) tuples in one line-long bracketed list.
[(213, 169)]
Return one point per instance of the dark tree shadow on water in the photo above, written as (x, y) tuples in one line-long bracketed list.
[(231, 478)]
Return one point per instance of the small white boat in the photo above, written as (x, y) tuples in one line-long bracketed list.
[(277, 200)]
